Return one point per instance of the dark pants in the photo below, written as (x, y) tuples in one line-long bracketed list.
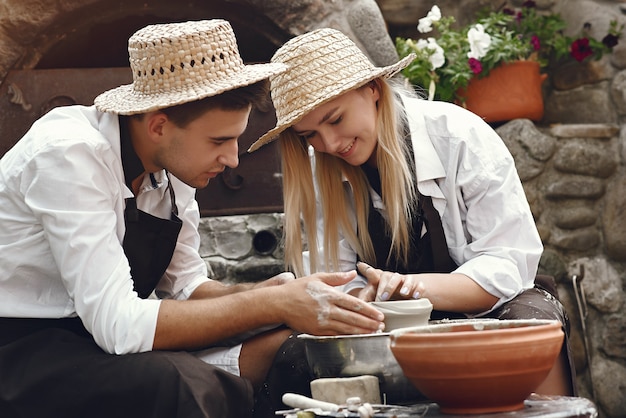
[(60, 372)]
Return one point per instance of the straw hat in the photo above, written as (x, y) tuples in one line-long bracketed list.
[(322, 64), (176, 63)]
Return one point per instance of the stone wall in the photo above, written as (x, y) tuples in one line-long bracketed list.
[(574, 179)]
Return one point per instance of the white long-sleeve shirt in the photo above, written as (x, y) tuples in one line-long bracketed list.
[(62, 194), (465, 167)]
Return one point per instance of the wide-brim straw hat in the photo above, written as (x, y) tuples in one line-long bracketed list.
[(176, 63), (322, 65)]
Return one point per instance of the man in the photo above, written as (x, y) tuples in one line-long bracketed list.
[(98, 213)]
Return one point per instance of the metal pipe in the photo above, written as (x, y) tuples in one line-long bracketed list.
[(581, 302)]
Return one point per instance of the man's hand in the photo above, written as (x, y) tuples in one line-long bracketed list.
[(313, 305), (277, 280)]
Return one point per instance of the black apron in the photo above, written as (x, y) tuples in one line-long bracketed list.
[(149, 242), (428, 252)]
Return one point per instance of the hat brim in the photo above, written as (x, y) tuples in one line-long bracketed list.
[(351, 84), (124, 100)]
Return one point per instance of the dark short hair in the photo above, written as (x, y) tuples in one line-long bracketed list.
[(256, 94)]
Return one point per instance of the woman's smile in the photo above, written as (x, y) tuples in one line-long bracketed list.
[(347, 151)]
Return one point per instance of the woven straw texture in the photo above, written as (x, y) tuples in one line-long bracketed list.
[(176, 63), (322, 65)]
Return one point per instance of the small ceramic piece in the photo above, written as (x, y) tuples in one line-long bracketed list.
[(404, 305), (478, 367), (404, 313)]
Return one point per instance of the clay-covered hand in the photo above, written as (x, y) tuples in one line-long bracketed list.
[(315, 306), (388, 285)]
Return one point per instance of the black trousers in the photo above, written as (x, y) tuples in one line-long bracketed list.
[(51, 369)]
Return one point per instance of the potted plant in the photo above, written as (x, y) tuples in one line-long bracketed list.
[(461, 64)]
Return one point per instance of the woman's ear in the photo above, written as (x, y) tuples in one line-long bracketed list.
[(374, 86)]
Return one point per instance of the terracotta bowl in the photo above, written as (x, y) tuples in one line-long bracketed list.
[(404, 313), (476, 367)]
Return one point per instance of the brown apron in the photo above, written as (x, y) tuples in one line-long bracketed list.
[(53, 367)]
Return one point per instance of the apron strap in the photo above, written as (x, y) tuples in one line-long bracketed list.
[(149, 241), (442, 262)]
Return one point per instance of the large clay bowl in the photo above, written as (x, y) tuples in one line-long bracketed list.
[(476, 367)]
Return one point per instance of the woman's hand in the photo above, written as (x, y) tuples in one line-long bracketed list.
[(387, 285)]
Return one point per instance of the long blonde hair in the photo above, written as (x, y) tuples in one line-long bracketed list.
[(397, 184)]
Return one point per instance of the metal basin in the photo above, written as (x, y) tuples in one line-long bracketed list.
[(357, 355)]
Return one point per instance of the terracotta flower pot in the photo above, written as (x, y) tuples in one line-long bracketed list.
[(510, 91), (476, 367)]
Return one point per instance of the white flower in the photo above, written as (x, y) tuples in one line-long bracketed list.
[(426, 23), (479, 42), (436, 55)]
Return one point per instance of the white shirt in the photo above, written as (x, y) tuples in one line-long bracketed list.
[(469, 173), (62, 194)]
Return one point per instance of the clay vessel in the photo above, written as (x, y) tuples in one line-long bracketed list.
[(476, 367), (404, 313), (510, 91)]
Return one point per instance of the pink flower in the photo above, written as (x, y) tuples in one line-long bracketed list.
[(580, 49), (535, 42), (475, 65)]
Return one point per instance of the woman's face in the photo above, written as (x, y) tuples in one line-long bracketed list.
[(344, 127)]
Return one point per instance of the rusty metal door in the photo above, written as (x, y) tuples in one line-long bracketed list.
[(253, 187)]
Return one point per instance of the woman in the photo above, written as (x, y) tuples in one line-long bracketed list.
[(423, 197)]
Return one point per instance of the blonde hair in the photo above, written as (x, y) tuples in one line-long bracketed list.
[(397, 185)]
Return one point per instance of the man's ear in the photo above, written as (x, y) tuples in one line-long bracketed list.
[(156, 125)]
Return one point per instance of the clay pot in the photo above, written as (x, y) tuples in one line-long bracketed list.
[(404, 313), (478, 366), (510, 91)]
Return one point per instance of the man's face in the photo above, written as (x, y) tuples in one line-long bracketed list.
[(204, 148)]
